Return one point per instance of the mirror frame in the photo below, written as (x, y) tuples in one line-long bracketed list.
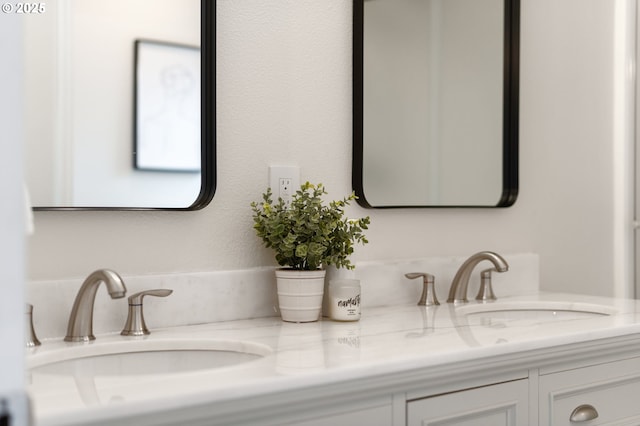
[(510, 113), (208, 120)]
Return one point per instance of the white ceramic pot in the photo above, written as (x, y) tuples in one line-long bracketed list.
[(300, 294)]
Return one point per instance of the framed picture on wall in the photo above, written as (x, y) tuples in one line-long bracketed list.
[(166, 107)]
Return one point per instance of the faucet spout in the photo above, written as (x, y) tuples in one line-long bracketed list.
[(458, 290), (80, 327)]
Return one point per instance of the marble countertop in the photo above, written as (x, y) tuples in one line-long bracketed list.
[(388, 346)]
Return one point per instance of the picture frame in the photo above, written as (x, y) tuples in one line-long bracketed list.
[(167, 113)]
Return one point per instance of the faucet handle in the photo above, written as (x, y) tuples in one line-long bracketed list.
[(485, 293), (428, 297), (136, 299), (135, 325), (31, 340)]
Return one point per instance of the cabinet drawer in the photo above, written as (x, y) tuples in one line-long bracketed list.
[(501, 404), (612, 389)]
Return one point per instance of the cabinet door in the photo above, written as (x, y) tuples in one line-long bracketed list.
[(495, 405), (611, 390)]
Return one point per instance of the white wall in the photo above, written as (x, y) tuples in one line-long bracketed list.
[(12, 226), (284, 97), (572, 144)]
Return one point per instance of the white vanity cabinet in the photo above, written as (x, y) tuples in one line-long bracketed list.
[(373, 416), (495, 405), (612, 389), (368, 411)]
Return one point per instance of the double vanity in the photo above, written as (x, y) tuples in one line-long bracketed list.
[(536, 358)]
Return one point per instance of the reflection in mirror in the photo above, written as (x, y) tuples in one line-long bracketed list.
[(85, 102), (435, 102), (167, 107)]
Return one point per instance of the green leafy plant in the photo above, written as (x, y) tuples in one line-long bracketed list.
[(307, 234)]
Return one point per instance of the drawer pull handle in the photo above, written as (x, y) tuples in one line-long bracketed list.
[(583, 413)]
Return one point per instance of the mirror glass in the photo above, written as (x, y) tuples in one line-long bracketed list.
[(113, 104), (435, 103)]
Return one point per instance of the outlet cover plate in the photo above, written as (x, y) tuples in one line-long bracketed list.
[(284, 181)]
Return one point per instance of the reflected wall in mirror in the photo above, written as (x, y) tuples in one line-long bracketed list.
[(436, 103), (80, 62)]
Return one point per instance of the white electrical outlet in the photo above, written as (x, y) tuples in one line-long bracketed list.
[(284, 181)]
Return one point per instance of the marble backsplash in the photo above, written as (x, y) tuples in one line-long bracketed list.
[(205, 297)]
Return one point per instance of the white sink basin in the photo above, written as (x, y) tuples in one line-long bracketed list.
[(537, 311), (145, 357)]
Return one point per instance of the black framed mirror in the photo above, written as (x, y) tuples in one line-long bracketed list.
[(435, 103), (87, 102)]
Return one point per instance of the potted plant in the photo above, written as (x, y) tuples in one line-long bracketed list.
[(306, 236)]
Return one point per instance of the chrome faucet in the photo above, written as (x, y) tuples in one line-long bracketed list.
[(80, 328), (458, 290)]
